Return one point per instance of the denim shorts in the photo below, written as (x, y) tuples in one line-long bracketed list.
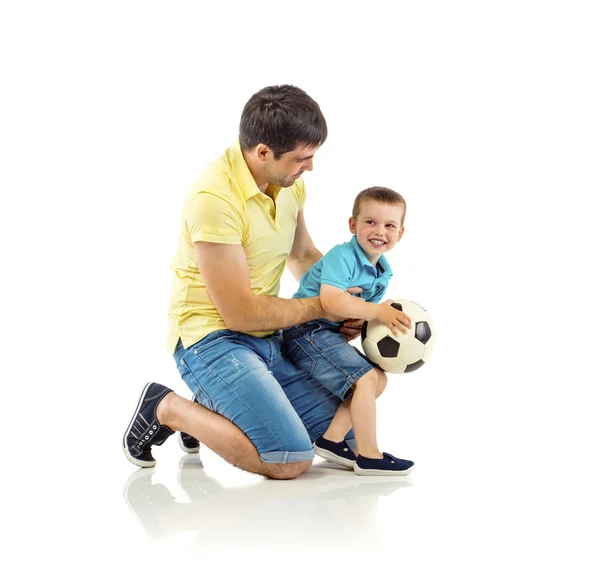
[(319, 349), (248, 380)]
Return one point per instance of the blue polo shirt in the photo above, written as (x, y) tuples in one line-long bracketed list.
[(344, 266)]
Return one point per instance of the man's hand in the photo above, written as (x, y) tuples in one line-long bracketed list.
[(351, 328)]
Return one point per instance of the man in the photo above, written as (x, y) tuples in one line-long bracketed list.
[(242, 223)]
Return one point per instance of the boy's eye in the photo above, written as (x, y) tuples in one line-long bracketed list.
[(391, 226)]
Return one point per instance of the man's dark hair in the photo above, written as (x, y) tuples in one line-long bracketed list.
[(282, 117), (381, 195)]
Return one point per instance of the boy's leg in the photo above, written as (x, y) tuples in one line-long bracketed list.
[(342, 421), (327, 359), (340, 424), (363, 414), (315, 404)]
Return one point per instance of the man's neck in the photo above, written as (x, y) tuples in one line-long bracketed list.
[(256, 174)]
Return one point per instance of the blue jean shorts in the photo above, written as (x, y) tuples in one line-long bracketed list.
[(248, 380), (321, 351)]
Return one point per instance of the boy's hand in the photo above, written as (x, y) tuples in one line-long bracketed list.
[(393, 318)]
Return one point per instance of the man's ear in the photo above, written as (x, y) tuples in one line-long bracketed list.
[(262, 152), (352, 225)]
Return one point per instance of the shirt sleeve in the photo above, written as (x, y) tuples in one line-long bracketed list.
[(300, 193), (337, 268), (377, 296), (209, 218)]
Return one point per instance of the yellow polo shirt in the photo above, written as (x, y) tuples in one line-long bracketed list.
[(226, 206)]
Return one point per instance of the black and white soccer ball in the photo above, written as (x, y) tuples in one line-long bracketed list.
[(404, 353)]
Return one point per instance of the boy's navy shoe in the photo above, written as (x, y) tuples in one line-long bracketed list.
[(388, 465), (188, 443), (338, 452), (144, 431)]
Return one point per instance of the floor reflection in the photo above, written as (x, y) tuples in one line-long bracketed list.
[(327, 504)]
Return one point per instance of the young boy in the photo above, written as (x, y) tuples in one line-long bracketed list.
[(318, 347)]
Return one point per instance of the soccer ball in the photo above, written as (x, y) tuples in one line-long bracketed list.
[(404, 353)]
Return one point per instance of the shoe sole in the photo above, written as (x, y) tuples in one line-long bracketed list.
[(184, 447), (132, 459), (334, 458), (374, 472)]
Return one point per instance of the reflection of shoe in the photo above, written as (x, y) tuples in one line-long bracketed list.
[(388, 465), (147, 501), (338, 452), (144, 430), (193, 480)]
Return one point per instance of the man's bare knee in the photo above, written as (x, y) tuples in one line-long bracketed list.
[(286, 471)]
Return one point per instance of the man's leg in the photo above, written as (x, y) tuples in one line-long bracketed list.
[(245, 416), (188, 443), (222, 436)]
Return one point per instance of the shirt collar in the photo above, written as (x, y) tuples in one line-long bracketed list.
[(383, 266), (242, 175)]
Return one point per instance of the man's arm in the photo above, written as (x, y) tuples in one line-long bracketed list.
[(224, 268), (304, 253)]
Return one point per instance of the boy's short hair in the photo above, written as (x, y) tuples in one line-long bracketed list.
[(379, 194), (282, 117)]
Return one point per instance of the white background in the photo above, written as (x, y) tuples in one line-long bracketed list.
[(484, 115)]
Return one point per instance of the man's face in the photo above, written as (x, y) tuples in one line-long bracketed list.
[(283, 172), (378, 227)]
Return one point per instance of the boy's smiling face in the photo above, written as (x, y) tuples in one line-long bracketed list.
[(378, 227)]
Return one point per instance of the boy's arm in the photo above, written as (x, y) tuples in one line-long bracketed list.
[(339, 303), (336, 301)]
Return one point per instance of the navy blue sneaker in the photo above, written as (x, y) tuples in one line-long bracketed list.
[(388, 465), (188, 443), (338, 452), (144, 431)]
